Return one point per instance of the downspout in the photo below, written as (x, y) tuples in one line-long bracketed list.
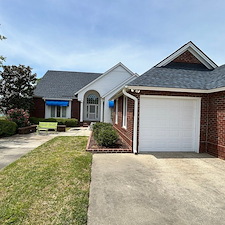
[(135, 119)]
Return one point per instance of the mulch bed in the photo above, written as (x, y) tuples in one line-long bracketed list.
[(120, 146)]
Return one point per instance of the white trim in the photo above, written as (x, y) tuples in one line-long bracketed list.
[(117, 95), (215, 90), (124, 121), (201, 56), (102, 110), (135, 126), (175, 89), (104, 74), (197, 111), (116, 113)]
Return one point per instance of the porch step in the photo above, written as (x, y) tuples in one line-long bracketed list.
[(85, 124)]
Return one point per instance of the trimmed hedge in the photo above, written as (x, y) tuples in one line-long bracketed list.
[(67, 122), (7, 128), (104, 134), (98, 126)]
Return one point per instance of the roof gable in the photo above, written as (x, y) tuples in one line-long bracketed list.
[(188, 54), (105, 74), (186, 57)]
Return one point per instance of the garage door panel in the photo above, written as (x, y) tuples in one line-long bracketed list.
[(168, 124)]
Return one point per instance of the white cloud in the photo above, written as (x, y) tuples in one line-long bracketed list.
[(32, 50)]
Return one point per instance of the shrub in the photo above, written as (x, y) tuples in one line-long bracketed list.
[(7, 128), (104, 134), (98, 126), (19, 116), (71, 122), (67, 122)]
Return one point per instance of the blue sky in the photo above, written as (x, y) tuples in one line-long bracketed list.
[(94, 35)]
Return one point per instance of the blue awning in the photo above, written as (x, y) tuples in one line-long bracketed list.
[(111, 104), (57, 103)]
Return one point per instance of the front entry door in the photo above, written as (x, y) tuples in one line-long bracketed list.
[(92, 112)]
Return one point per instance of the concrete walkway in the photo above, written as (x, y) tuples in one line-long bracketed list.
[(160, 188), (12, 148)]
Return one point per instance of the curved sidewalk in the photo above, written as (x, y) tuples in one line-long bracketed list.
[(14, 147)]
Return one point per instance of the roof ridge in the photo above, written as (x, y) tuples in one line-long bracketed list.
[(72, 71)]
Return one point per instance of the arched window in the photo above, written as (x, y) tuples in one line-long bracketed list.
[(92, 99)]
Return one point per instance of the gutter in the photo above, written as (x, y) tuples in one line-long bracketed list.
[(135, 119), (203, 91)]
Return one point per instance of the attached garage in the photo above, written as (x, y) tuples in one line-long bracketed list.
[(168, 123)]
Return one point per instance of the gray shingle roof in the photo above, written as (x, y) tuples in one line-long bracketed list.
[(62, 84), (182, 78)]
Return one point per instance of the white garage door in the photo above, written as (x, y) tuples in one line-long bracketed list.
[(169, 124)]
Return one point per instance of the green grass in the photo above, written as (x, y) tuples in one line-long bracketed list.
[(50, 185)]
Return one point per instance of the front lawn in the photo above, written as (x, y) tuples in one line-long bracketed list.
[(50, 185)]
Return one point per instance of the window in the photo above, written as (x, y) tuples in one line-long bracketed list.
[(52, 111), (116, 119), (92, 99), (58, 111), (92, 102), (63, 111), (124, 124)]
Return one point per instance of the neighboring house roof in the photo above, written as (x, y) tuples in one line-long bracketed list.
[(182, 78), (62, 84), (186, 68)]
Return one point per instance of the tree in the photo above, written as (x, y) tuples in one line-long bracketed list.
[(16, 87)]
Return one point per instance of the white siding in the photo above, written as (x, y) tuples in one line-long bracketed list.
[(108, 82)]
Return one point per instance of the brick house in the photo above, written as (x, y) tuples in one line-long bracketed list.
[(84, 96), (178, 105)]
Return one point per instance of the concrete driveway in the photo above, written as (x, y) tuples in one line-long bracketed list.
[(160, 188)]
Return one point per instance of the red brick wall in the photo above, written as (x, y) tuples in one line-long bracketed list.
[(186, 57), (216, 122), (129, 131), (75, 109), (39, 108)]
